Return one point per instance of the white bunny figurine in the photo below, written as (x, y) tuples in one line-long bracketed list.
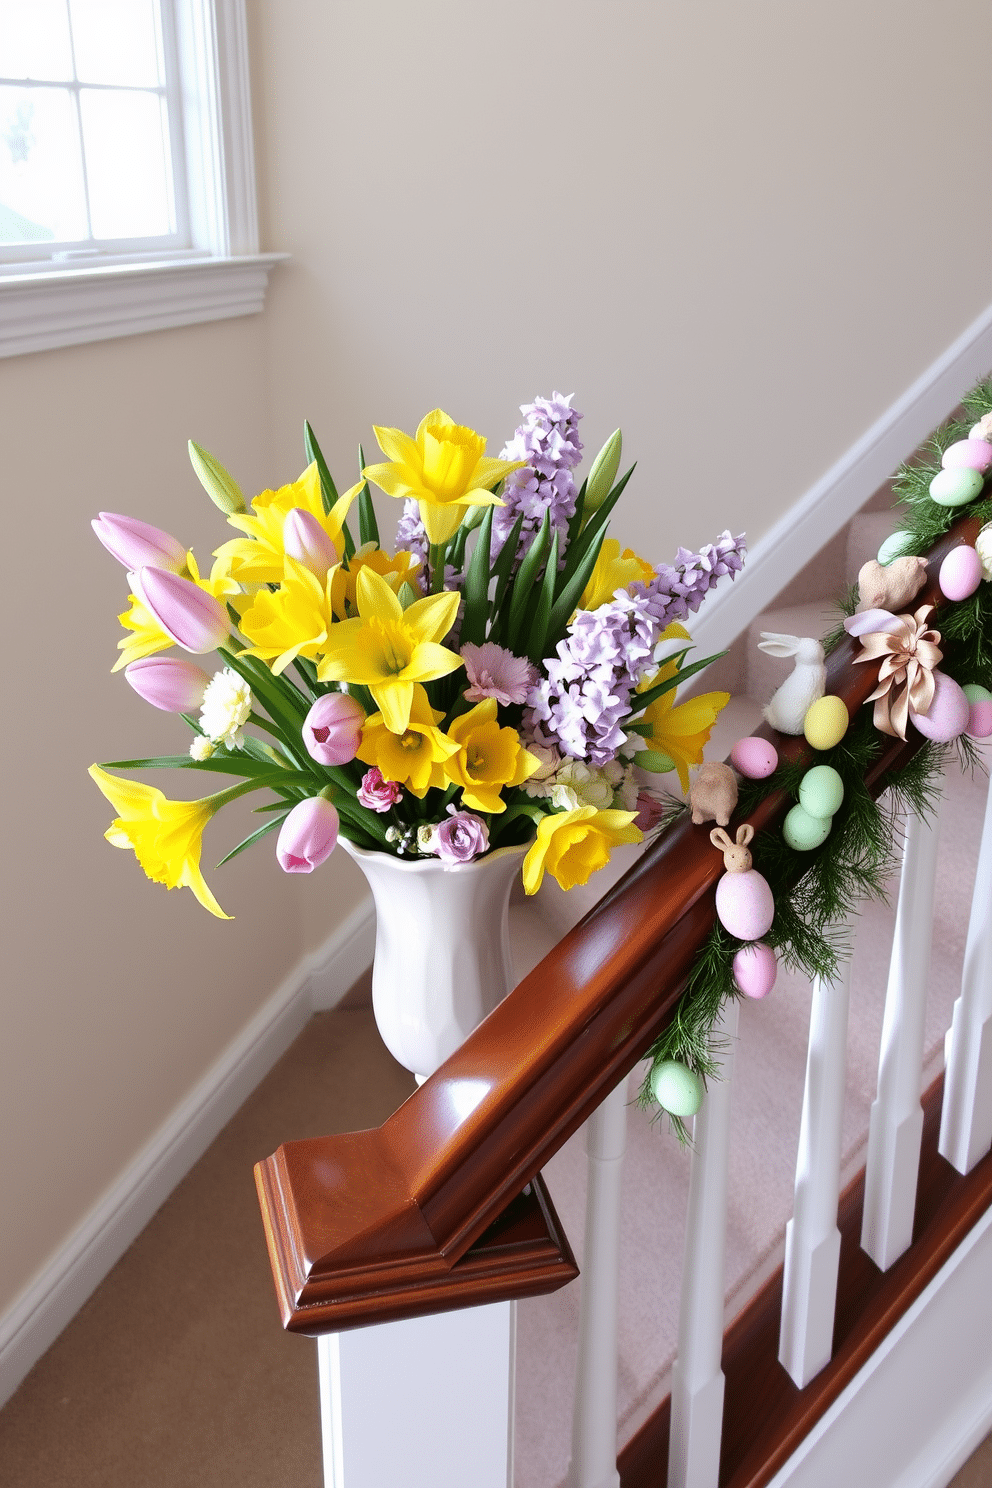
[(807, 681)]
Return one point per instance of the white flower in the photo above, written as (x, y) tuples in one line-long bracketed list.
[(564, 798), (983, 547), (581, 785), (201, 748), (425, 838), (225, 708), (541, 783)]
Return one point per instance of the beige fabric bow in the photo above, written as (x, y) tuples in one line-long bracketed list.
[(908, 652)]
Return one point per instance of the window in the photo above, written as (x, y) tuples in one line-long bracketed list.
[(127, 195)]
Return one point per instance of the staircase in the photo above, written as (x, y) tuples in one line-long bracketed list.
[(768, 1079)]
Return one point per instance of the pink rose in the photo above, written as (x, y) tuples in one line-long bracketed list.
[(377, 794)]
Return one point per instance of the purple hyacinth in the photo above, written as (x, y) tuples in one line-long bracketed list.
[(548, 440), (586, 692)]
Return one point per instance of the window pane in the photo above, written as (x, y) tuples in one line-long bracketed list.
[(41, 180), (34, 40), (117, 41), (126, 164)]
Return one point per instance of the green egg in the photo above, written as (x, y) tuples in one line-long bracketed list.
[(804, 832), (821, 791), (895, 546), (976, 694), (956, 487), (676, 1088)]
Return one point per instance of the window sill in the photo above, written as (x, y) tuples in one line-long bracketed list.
[(65, 307)]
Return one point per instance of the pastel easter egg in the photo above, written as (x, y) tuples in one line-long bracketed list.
[(755, 758), (755, 970), (955, 487), (826, 722), (980, 719), (895, 546), (744, 904), (968, 454), (948, 714), (804, 832), (676, 1088), (821, 791), (960, 573)]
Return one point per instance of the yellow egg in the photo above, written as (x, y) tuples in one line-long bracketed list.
[(826, 722)]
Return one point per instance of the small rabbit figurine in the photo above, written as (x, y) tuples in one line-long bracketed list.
[(800, 690), (713, 793), (744, 902)]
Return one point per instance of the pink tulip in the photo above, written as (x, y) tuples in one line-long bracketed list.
[(192, 617), (138, 545), (305, 540), (168, 682), (307, 836), (332, 730)]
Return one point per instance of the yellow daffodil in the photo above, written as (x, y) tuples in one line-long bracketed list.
[(680, 731), (397, 571), (614, 570), (388, 649), (445, 468), (259, 556), (293, 620), (147, 636), (572, 845), (164, 835), (414, 757), (489, 758)]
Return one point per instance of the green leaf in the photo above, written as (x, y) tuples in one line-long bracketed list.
[(328, 490), (262, 831), (368, 527), (641, 700), (561, 610), (536, 628), (476, 587), (654, 760), (595, 526), (524, 581), (502, 569)]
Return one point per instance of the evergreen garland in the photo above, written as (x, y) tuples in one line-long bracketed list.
[(815, 892)]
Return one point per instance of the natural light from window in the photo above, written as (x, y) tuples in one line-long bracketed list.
[(86, 152)]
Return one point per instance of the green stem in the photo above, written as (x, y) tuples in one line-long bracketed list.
[(438, 551)]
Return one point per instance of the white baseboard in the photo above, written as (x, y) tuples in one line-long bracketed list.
[(782, 552), (53, 1298), (921, 1405)]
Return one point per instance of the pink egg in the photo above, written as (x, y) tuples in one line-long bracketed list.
[(948, 714), (745, 905), (755, 757), (755, 970), (960, 573), (980, 720), (968, 454)]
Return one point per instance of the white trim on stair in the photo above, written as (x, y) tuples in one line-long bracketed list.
[(923, 1402), (783, 551), (48, 1304)]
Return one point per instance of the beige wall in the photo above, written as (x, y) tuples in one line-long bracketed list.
[(740, 231)]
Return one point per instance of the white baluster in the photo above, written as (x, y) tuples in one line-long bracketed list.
[(594, 1414), (966, 1118), (896, 1126), (697, 1378), (812, 1239), (426, 1403)]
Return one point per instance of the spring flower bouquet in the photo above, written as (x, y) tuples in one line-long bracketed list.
[(506, 676)]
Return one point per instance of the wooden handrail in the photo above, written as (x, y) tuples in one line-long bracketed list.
[(388, 1223)]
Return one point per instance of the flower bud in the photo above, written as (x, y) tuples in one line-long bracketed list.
[(305, 540), (137, 544), (168, 682), (192, 617), (308, 835), (600, 480), (332, 730), (219, 485)]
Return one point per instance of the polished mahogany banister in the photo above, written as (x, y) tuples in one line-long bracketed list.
[(402, 1220)]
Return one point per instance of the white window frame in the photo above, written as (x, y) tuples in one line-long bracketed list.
[(222, 274)]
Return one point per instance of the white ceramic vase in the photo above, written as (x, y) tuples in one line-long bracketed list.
[(442, 949)]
